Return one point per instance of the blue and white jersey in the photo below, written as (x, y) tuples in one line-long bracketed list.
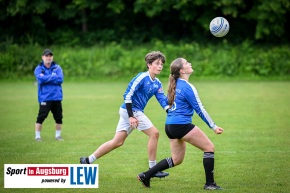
[(186, 102), (140, 89)]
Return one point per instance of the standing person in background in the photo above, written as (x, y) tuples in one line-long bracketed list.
[(184, 100), (140, 89), (49, 77)]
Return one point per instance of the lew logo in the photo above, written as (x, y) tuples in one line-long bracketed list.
[(83, 175), (51, 176)]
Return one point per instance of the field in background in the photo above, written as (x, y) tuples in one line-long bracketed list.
[(251, 156)]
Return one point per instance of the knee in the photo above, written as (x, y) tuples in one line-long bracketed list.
[(58, 119), (155, 134), (209, 148), (40, 119), (118, 143)]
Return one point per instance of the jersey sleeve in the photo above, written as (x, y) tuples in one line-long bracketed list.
[(161, 98), (192, 97), (58, 78)]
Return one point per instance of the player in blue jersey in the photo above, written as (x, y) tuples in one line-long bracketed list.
[(184, 101), (140, 89)]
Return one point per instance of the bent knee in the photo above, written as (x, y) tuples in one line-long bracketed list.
[(209, 148), (154, 134), (118, 143)]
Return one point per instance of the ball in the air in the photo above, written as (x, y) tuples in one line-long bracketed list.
[(219, 27)]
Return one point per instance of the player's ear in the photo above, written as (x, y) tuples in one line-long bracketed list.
[(148, 64), (181, 71)]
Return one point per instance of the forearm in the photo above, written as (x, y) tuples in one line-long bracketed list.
[(129, 109)]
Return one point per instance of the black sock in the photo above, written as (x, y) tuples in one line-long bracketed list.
[(160, 166), (208, 164)]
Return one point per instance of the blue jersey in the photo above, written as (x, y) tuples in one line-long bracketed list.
[(186, 102), (140, 89), (49, 82)]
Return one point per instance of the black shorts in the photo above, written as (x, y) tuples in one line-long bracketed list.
[(177, 131), (45, 107)]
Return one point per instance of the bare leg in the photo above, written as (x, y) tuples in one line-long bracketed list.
[(38, 126), (58, 126), (153, 134), (197, 138), (108, 146), (177, 155), (178, 148)]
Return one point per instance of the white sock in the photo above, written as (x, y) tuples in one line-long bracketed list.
[(57, 133), (92, 158), (37, 134), (152, 163)]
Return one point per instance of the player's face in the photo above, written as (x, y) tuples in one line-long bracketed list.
[(156, 67), (187, 68)]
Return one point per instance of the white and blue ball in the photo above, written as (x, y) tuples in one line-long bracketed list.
[(219, 27)]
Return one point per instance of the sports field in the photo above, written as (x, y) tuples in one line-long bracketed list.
[(252, 155)]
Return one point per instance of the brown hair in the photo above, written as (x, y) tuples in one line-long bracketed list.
[(175, 67), (154, 55)]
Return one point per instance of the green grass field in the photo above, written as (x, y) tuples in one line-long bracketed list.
[(252, 155)]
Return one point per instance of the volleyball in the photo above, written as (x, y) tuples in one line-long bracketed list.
[(219, 27)]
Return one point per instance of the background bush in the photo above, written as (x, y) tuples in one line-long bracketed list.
[(121, 60), (97, 39)]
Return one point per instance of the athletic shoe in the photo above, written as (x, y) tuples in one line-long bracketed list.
[(146, 182), (84, 160), (160, 175), (38, 139), (59, 138), (212, 186)]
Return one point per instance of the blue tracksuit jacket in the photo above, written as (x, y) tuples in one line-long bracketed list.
[(49, 82)]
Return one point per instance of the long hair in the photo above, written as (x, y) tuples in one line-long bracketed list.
[(175, 67)]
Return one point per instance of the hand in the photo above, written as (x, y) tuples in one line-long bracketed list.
[(219, 130), (133, 122)]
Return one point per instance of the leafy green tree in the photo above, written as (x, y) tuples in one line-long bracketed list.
[(81, 22), (270, 16)]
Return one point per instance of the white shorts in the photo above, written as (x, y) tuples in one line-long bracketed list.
[(124, 124)]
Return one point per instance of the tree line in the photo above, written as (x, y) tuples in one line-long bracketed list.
[(83, 22)]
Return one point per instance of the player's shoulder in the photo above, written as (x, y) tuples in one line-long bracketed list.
[(185, 85), (39, 66), (138, 78), (183, 82), (157, 79), (141, 75)]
